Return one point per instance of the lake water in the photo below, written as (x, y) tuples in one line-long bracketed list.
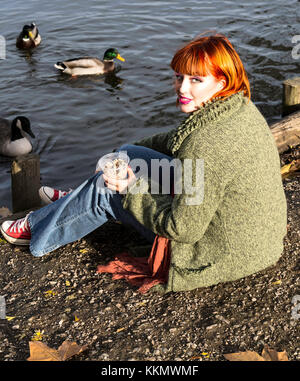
[(78, 120)]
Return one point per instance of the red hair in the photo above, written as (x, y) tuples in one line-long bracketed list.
[(213, 55)]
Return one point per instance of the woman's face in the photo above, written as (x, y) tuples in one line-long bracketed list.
[(193, 90)]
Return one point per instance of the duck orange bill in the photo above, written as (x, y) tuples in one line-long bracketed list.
[(30, 34), (120, 58)]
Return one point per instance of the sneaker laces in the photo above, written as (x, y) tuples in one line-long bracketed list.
[(59, 193), (20, 225), (62, 193)]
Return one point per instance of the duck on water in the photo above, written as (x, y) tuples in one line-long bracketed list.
[(14, 139), (29, 37), (90, 65)]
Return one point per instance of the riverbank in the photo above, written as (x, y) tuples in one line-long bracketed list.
[(61, 297)]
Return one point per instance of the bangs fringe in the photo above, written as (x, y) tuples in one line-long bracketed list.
[(192, 62), (213, 55)]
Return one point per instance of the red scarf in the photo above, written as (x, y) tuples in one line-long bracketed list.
[(144, 272)]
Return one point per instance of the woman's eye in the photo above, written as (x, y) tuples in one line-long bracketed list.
[(196, 80)]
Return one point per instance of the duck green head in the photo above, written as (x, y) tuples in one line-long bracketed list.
[(27, 31), (112, 53)]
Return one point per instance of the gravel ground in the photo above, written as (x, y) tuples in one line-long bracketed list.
[(63, 297)]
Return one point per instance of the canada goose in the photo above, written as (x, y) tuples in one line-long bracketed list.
[(90, 65), (13, 139), (29, 37)]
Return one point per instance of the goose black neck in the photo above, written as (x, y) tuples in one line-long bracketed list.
[(15, 132)]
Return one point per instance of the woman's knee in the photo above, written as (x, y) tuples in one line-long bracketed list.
[(126, 147)]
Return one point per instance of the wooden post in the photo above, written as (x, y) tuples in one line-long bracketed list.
[(291, 96), (25, 182)]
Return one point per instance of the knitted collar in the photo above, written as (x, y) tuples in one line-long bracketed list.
[(211, 112)]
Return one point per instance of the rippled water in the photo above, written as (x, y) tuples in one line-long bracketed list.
[(78, 120)]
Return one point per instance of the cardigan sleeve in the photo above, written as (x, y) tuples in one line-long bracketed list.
[(186, 216)]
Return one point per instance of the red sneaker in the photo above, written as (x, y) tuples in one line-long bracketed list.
[(16, 232), (49, 195)]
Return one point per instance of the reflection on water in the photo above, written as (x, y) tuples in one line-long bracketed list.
[(77, 120)]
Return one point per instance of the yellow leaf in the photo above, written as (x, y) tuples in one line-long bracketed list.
[(291, 167), (285, 169), (83, 251), (203, 354), (277, 282), (50, 293), (76, 318), (38, 336), (68, 283), (120, 329), (9, 318)]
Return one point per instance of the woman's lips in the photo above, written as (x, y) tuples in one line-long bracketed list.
[(184, 100)]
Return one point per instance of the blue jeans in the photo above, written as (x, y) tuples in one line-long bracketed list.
[(84, 210)]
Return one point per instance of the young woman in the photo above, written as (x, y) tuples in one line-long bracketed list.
[(226, 227)]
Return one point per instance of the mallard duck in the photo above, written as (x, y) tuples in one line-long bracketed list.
[(29, 37), (90, 65), (13, 136)]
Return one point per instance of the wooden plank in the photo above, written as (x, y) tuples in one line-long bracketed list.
[(25, 182), (286, 132)]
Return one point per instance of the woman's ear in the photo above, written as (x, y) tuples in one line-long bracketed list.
[(221, 84)]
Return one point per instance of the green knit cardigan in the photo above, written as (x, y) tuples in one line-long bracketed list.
[(238, 227)]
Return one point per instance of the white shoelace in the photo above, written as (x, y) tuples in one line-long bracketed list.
[(20, 225), (63, 193)]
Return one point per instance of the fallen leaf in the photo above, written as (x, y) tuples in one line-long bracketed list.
[(271, 355), (4, 212), (244, 356), (277, 282), (120, 329), (9, 318), (268, 354), (38, 336), (83, 251), (69, 349), (287, 169), (68, 283), (76, 318), (50, 293), (41, 352), (203, 354)]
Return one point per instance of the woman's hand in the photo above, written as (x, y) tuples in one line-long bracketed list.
[(118, 185)]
